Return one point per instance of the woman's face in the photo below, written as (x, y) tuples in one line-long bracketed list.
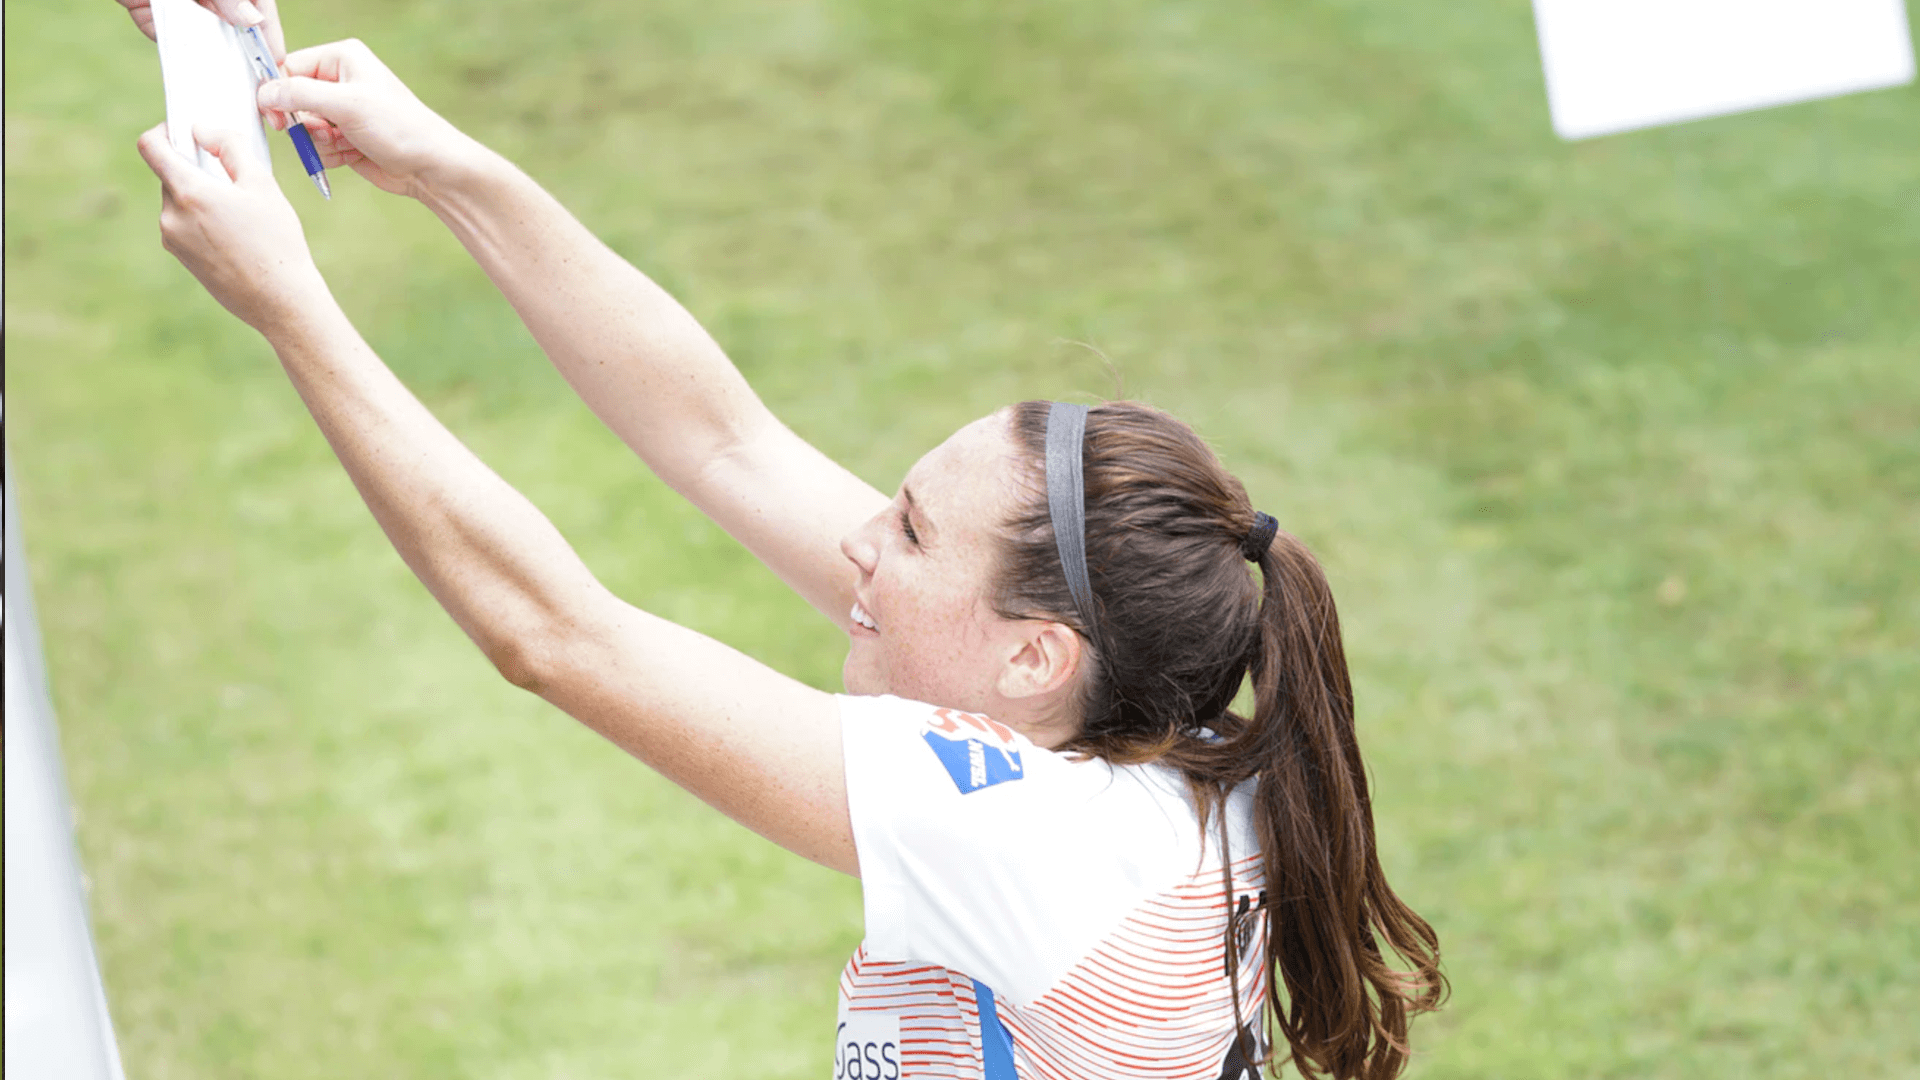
[(924, 567)]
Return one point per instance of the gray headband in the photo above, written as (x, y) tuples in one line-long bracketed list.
[(1067, 500)]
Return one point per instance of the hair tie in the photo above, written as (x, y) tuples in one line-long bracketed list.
[(1067, 500), (1260, 538)]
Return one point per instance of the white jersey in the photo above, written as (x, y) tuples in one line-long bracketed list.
[(1073, 901)]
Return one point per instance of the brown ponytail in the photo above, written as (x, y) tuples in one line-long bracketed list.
[(1182, 622)]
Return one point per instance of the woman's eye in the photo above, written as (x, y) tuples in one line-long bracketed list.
[(906, 527)]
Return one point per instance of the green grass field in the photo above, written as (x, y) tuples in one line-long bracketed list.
[(1612, 450)]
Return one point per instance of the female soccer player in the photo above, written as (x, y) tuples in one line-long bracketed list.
[(1076, 860)]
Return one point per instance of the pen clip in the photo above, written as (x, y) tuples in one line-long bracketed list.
[(259, 57)]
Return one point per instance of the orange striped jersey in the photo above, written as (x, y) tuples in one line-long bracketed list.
[(1079, 897)]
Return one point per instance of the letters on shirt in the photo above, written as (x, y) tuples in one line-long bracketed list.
[(866, 1046), (976, 752)]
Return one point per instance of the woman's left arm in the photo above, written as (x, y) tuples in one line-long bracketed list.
[(760, 747)]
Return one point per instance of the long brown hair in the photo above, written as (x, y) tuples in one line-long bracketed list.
[(1181, 623)]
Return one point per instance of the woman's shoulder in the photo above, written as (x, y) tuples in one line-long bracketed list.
[(975, 769), (978, 752)]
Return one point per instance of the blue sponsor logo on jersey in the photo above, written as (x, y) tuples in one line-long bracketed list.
[(975, 751)]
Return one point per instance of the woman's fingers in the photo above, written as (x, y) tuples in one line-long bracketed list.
[(142, 14), (264, 14), (335, 61), (330, 101), (333, 147), (242, 167), (176, 173), (153, 143), (237, 12), (276, 37)]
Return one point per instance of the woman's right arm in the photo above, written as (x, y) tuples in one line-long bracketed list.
[(658, 380), (638, 359)]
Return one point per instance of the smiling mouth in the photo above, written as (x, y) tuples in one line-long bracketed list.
[(861, 618)]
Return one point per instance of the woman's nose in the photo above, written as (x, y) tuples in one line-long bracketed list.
[(859, 548)]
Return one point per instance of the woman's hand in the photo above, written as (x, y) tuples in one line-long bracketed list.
[(236, 232), (361, 115), (238, 12)]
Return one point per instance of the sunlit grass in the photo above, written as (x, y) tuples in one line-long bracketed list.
[(1613, 452)]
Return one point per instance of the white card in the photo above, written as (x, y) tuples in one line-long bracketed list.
[(866, 1045), (1616, 65), (207, 80)]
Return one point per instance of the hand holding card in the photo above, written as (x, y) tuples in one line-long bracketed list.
[(208, 82)]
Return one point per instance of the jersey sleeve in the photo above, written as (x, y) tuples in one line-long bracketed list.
[(988, 855)]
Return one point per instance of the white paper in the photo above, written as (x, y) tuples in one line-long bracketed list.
[(208, 80), (1616, 65)]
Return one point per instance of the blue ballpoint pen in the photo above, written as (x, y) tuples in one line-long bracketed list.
[(262, 58)]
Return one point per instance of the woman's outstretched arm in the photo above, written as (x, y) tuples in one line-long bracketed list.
[(639, 360), (654, 376), (761, 747)]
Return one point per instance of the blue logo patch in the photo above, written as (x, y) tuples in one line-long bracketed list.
[(972, 763)]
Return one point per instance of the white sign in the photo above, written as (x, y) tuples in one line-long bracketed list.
[(1616, 65)]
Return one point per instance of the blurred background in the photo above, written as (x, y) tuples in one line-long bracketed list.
[(1612, 450)]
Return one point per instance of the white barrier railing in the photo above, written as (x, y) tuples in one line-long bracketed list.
[(57, 1022)]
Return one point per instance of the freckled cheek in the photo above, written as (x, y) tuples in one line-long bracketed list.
[(938, 658)]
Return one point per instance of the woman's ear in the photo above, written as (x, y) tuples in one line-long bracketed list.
[(1046, 658)]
